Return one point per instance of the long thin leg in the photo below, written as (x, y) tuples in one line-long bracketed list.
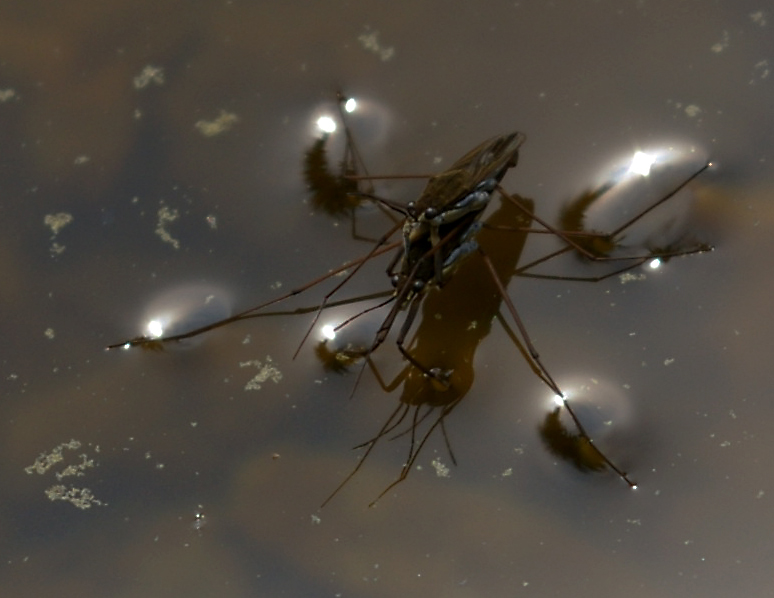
[(354, 168), (351, 319), (448, 444), (638, 262), (519, 324), (667, 197), (353, 161), (144, 340), (545, 374), (415, 450), (400, 298), (404, 330), (300, 311), (419, 421), (386, 431), (552, 230), (382, 240), (393, 384), (383, 331), (569, 236), (582, 430), (371, 444)]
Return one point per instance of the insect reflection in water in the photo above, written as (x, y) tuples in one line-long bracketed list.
[(442, 250)]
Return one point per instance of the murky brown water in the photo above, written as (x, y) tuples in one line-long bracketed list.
[(116, 192)]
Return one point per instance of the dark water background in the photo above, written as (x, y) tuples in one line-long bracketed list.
[(212, 489)]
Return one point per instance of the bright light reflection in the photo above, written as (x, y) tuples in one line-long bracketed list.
[(641, 163), (329, 332), (326, 124), (350, 105), (655, 263), (155, 329)]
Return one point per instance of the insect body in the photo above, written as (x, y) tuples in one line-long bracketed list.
[(456, 196), (440, 230)]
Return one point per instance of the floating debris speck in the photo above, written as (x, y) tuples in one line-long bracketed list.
[(221, 124), (79, 497), (82, 498), (266, 371), (760, 71), (370, 41), (150, 74), (167, 215), (693, 110), (77, 469), (758, 17), (199, 519), (7, 94), (441, 470), (46, 461), (57, 222), (718, 47), (630, 277)]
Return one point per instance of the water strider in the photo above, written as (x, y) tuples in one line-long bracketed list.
[(438, 239)]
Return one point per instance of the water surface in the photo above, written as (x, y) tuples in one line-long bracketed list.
[(157, 148)]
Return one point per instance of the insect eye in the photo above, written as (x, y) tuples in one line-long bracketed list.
[(395, 279), (431, 213), (410, 208), (418, 285)]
